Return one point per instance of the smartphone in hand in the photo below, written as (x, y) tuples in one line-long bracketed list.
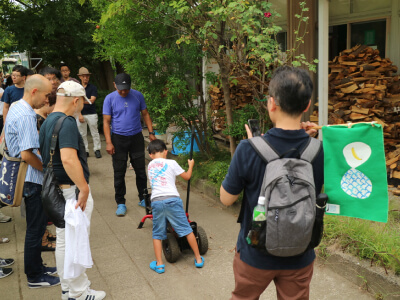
[(254, 125)]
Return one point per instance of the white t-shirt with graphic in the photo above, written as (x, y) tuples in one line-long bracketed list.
[(162, 174)]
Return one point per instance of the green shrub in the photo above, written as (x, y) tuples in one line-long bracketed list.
[(377, 242), (240, 117), (218, 170), (101, 95)]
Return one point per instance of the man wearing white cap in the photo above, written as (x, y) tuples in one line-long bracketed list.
[(72, 172)]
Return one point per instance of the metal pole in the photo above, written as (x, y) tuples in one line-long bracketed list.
[(323, 57), (191, 156)]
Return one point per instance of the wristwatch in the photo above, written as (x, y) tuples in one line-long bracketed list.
[(152, 132)]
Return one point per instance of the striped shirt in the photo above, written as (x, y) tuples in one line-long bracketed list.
[(21, 134)]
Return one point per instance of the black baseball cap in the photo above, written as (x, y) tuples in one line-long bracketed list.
[(123, 81)]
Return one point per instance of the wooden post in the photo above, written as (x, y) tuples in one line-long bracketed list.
[(308, 48)]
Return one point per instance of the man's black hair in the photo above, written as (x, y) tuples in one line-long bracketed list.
[(64, 65), (21, 69), (29, 72), (292, 89), (9, 81), (52, 98), (156, 146), (50, 70)]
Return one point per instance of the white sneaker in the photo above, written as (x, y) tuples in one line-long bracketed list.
[(4, 218), (65, 294), (91, 295)]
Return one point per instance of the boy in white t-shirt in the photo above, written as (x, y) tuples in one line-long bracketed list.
[(166, 203)]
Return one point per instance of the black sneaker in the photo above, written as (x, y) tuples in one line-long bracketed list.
[(4, 272), (50, 270), (5, 262), (44, 281), (97, 153)]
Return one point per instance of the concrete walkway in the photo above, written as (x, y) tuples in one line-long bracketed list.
[(122, 253)]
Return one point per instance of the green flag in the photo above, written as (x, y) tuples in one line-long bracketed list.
[(355, 171)]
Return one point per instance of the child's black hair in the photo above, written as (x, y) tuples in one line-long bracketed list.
[(156, 146)]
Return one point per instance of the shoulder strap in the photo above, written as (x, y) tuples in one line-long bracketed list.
[(311, 150), (56, 130), (264, 149)]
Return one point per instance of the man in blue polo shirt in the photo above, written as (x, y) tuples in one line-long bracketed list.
[(121, 111), (15, 92)]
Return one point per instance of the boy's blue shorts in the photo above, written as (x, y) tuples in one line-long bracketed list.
[(172, 210)]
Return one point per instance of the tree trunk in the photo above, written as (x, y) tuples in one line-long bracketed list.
[(228, 104)]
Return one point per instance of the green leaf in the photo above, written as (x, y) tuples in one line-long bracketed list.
[(296, 63)]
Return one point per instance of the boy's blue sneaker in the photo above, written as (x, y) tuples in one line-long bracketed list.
[(44, 281), (121, 210), (142, 203), (199, 265)]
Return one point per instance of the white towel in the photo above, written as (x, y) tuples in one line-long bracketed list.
[(77, 248)]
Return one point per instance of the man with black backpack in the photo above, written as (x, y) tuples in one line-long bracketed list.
[(290, 145)]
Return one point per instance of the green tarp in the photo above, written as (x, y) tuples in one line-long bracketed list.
[(355, 171)]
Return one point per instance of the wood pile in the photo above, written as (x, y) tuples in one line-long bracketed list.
[(363, 88), (240, 94)]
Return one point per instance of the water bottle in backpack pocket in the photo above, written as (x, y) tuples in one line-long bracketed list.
[(257, 225)]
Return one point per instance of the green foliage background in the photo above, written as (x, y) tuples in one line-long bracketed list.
[(53, 30)]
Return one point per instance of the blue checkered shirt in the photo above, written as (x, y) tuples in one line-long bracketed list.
[(21, 134)]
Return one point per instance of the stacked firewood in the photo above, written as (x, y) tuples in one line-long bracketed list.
[(363, 88), (240, 95)]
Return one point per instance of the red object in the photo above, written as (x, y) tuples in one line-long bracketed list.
[(267, 14), (49, 223), (150, 216), (97, 26)]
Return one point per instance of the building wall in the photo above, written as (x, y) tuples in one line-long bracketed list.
[(348, 12), (342, 13)]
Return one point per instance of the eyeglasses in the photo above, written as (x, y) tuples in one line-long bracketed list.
[(15, 75)]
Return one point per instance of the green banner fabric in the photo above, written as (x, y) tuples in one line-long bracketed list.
[(355, 171)]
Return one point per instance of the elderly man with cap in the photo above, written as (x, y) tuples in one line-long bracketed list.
[(121, 115), (72, 172), (88, 116)]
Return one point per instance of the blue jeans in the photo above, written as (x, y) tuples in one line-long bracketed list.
[(172, 210), (35, 228)]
